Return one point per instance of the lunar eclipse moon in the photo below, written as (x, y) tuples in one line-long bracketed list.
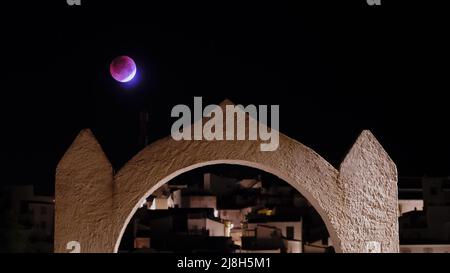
[(123, 69)]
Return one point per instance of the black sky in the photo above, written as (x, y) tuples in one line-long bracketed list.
[(334, 68)]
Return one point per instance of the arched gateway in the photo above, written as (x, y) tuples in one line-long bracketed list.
[(358, 202)]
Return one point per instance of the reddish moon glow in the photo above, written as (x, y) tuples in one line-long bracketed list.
[(123, 69)]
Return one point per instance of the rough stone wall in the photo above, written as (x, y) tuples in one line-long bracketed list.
[(369, 179), (358, 204), (83, 197)]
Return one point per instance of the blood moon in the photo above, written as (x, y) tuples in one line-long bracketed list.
[(123, 69)]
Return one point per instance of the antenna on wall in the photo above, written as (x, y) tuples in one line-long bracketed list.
[(143, 128)]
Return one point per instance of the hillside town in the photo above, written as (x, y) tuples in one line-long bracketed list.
[(212, 213), (231, 210)]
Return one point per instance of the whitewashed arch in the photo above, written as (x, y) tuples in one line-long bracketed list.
[(358, 202)]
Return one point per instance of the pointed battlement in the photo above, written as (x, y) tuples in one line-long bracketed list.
[(369, 179), (365, 154), (84, 185)]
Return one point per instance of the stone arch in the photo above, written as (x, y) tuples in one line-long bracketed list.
[(313, 201), (358, 203), (157, 177)]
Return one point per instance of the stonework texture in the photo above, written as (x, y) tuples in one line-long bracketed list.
[(358, 202)]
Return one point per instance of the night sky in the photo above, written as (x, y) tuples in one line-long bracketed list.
[(335, 68)]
